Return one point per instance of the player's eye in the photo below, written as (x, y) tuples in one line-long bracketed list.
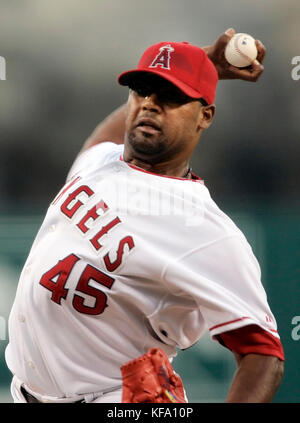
[(141, 90), (170, 95), (166, 93)]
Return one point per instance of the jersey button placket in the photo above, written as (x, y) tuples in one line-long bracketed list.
[(21, 318), (31, 364)]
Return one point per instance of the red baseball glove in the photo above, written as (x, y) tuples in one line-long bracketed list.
[(150, 378)]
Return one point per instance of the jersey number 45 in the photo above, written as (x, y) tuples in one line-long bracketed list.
[(56, 278)]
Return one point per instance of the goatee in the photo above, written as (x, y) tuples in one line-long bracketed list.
[(146, 145)]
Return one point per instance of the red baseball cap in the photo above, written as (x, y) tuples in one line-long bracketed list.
[(184, 65)]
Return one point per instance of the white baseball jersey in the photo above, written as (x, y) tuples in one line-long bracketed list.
[(124, 261)]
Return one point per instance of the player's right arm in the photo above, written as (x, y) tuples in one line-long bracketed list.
[(113, 127)]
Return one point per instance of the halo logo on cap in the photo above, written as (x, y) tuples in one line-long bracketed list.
[(163, 57), (184, 65)]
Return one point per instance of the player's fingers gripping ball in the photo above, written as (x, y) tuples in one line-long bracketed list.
[(241, 50), (150, 378)]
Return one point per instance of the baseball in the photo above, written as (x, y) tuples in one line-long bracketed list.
[(241, 50)]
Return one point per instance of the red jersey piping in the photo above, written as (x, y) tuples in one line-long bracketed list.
[(195, 178), (234, 321), (228, 323)]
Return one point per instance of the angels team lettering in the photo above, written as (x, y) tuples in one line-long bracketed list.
[(70, 211), (74, 202)]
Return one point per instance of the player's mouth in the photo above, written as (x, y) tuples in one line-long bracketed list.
[(148, 125)]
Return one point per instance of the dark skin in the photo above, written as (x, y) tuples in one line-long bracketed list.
[(166, 151), (250, 73), (162, 129), (164, 146), (257, 378), (113, 127)]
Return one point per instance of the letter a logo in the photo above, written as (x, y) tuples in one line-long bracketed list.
[(163, 57)]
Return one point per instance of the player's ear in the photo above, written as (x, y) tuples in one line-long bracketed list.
[(206, 116)]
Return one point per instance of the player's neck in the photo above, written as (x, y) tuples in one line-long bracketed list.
[(170, 168)]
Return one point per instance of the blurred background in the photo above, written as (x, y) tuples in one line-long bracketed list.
[(62, 60)]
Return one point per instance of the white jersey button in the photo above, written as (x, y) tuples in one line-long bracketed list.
[(52, 228), (31, 364), (21, 318)]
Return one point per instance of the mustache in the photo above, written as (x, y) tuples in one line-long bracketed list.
[(148, 121)]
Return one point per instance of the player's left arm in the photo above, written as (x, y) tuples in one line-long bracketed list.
[(256, 379), (216, 53)]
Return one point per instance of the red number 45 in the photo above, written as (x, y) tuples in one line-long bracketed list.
[(56, 278)]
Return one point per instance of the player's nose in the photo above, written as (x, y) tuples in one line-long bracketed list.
[(152, 103)]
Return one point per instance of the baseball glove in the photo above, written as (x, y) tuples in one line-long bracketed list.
[(150, 378)]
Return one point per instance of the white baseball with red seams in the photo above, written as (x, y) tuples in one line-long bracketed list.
[(133, 273), (241, 50)]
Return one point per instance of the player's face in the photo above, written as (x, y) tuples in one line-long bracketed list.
[(162, 122)]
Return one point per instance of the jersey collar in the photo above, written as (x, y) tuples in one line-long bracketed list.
[(195, 178)]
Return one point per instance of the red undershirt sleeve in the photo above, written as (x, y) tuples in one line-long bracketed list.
[(251, 339)]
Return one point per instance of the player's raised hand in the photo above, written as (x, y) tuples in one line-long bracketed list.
[(216, 51)]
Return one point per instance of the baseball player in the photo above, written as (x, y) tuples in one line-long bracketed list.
[(134, 259)]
